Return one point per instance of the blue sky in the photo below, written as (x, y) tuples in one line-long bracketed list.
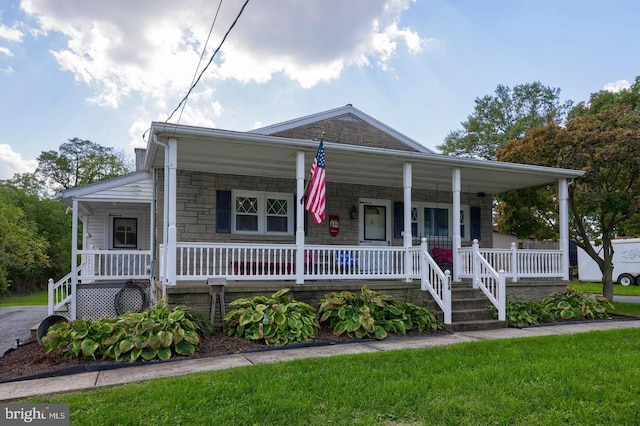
[(103, 71)]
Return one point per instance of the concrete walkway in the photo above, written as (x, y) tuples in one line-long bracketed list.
[(91, 380)]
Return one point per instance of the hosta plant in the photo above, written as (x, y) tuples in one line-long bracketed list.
[(156, 333), (523, 313), (277, 320), (373, 315), (577, 304)]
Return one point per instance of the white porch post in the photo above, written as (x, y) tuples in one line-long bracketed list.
[(406, 235), (74, 259), (171, 160), (299, 218), (563, 197), (457, 241)]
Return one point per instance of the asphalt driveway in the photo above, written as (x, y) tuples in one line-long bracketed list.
[(16, 323)]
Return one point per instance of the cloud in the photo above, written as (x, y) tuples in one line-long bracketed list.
[(151, 47), (11, 33), (12, 162), (5, 51), (617, 86)]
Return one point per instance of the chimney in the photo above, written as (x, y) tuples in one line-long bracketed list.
[(140, 154)]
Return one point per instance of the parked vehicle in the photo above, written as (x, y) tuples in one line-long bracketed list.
[(626, 262)]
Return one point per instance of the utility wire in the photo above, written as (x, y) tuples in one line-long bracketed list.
[(209, 63), (206, 43)]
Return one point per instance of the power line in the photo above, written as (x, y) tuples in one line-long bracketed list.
[(204, 48), (209, 63)]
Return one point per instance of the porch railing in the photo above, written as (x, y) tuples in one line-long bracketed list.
[(516, 263), (433, 279), (60, 296), (115, 264), (278, 261), (485, 277)]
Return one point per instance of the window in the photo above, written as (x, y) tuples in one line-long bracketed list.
[(125, 233), (262, 213), (436, 221)]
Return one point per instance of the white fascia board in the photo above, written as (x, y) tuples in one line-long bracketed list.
[(417, 157), (103, 185)]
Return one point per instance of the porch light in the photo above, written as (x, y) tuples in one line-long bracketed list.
[(353, 212)]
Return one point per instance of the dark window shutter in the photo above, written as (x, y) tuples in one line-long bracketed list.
[(223, 212), (398, 219), (476, 224)]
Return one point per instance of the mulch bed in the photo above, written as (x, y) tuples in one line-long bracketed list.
[(29, 361)]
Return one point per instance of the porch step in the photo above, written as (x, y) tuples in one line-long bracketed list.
[(469, 309), (477, 325)]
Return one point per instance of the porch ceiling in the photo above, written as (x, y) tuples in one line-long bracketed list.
[(218, 151)]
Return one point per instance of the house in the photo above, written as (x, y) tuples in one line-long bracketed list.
[(212, 205)]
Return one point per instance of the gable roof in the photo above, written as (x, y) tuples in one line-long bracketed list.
[(136, 186), (347, 125)]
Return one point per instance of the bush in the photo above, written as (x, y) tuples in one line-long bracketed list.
[(373, 315), (574, 304), (156, 333), (276, 320), (522, 313)]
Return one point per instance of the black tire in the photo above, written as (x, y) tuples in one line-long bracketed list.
[(46, 324), (626, 279)]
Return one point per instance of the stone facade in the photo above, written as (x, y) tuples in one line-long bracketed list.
[(347, 129), (196, 208)]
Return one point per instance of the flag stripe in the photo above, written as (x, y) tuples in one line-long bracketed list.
[(316, 196)]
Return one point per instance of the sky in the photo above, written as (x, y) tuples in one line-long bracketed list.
[(104, 70)]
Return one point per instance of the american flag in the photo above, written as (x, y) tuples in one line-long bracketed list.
[(316, 196)]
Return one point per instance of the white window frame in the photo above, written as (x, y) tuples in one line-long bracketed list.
[(465, 221), (262, 197)]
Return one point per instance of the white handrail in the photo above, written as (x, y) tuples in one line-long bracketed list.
[(437, 282), (491, 282)]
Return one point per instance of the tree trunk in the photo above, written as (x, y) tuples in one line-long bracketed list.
[(607, 268)]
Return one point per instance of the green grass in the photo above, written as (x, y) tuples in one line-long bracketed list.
[(626, 308), (33, 299), (590, 378), (631, 290)]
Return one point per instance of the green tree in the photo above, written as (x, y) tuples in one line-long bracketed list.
[(21, 248), (507, 115), (45, 218), (80, 162), (605, 145)]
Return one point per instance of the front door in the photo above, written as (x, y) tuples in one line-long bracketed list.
[(375, 230)]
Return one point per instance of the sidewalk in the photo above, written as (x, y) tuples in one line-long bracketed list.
[(84, 381)]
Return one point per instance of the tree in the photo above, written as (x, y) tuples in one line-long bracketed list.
[(21, 248), (605, 145), (80, 162), (45, 218), (507, 115)]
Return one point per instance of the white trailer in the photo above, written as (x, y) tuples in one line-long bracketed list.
[(626, 262)]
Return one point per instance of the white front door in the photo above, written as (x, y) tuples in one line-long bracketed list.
[(375, 230)]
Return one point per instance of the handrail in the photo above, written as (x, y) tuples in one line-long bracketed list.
[(436, 281), (491, 282), (60, 294)]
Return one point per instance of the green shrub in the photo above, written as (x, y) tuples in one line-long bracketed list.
[(276, 320), (373, 315), (576, 304), (522, 313), (156, 333)]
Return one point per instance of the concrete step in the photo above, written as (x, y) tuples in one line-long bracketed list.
[(472, 303), (477, 325), (471, 315)]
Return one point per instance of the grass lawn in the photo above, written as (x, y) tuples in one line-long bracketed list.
[(33, 299), (590, 378), (631, 290)]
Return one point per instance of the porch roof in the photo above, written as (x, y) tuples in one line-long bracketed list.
[(241, 153)]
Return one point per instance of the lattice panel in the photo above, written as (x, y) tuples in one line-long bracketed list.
[(96, 301)]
